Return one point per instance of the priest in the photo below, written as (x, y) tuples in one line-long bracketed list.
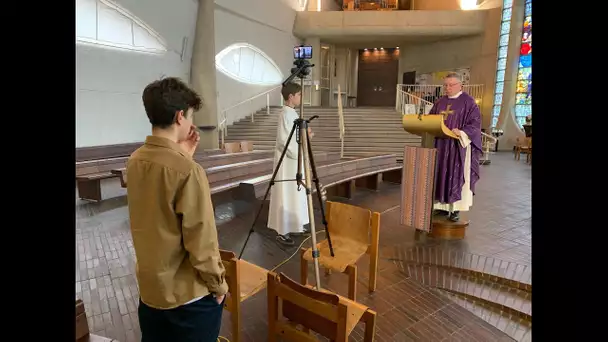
[(457, 159)]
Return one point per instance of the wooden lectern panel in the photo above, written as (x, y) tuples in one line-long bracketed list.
[(427, 124)]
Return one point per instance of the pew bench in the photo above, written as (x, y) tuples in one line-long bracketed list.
[(338, 177), (90, 173)]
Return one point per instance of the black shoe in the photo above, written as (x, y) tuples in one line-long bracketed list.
[(455, 216), (285, 240), (438, 212)]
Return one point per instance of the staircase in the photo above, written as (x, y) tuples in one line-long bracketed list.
[(498, 291), (369, 131)]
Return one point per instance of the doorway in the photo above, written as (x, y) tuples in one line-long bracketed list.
[(377, 77)]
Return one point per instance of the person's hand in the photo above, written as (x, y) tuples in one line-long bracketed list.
[(191, 142), (310, 133), (456, 131), (220, 299)]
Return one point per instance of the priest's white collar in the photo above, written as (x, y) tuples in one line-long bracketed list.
[(455, 96)]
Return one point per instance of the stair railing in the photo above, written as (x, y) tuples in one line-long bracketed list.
[(341, 121), (431, 92), (223, 125), (488, 142), (408, 103)]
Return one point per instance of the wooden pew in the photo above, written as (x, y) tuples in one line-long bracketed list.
[(338, 177), (90, 173), (323, 312), (82, 327)]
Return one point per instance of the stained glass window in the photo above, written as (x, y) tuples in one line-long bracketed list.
[(523, 96), (499, 87), (500, 75), (498, 99), (506, 14), (504, 39), (501, 64), (502, 51), (505, 26)]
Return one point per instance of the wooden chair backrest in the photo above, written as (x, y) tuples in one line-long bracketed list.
[(321, 312), (348, 221), (230, 262), (82, 326)]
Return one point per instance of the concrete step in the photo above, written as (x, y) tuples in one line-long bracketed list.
[(511, 325)]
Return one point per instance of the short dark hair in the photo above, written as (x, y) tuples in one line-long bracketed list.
[(164, 97), (290, 89)]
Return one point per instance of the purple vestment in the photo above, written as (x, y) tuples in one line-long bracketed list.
[(450, 154)]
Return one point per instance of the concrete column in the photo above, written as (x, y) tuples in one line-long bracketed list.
[(202, 75), (315, 42)]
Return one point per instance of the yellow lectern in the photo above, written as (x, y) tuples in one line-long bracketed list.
[(429, 127)]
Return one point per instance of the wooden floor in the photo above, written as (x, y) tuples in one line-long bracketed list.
[(408, 310)]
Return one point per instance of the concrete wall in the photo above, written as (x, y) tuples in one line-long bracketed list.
[(109, 82), (477, 52), (265, 24)]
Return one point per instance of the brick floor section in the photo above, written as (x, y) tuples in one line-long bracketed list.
[(500, 228)]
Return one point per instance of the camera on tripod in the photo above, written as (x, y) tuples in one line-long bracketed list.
[(302, 54)]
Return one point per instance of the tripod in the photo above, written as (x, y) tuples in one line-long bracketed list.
[(304, 154)]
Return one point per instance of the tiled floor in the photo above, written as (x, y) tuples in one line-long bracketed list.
[(500, 228)]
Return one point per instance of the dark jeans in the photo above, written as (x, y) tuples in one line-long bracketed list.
[(196, 322)]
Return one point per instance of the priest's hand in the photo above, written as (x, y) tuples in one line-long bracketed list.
[(456, 131), (191, 142)]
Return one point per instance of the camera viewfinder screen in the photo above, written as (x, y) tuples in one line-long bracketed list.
[(302, 52)]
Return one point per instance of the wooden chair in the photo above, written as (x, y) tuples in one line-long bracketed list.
[(325, 313), (354, 232), (523, 145), (244, 280), (82, 326)]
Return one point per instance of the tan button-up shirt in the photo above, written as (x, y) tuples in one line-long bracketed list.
[(173, 226)]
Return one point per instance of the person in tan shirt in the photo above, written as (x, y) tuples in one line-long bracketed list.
[(179, 269)]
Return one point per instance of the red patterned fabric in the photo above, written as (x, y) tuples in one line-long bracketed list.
[(417, 181)]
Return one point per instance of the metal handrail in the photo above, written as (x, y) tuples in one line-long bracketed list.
[(341, 121), (405, 101), (222, 126)]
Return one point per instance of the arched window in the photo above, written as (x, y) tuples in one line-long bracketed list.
[(523, 96), (248, 64), (102, 22)]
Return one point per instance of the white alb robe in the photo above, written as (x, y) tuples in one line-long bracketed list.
[(288, 207), (466, 199)]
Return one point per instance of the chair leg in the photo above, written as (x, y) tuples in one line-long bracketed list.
[(370, 326), (352, 282), (235, 319), (303, 268), (273, 313)]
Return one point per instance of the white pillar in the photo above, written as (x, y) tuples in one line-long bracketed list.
[(202, 76)]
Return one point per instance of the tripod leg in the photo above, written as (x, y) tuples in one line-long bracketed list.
[(315, 179), (274, 175)]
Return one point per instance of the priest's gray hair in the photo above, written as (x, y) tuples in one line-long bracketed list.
[(454, 75)]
